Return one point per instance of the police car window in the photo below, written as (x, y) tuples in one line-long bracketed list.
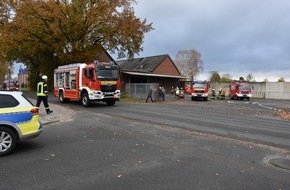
[(7, 101)]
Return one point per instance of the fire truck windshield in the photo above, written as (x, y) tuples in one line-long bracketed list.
[(199, 85), (107, 74), (244, 86)]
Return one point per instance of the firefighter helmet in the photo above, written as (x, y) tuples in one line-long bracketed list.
[(44, 77)]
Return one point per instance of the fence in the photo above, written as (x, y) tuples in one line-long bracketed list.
[(267, 90), (140, 90)]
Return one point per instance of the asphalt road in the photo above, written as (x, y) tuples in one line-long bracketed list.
[(175, 144)]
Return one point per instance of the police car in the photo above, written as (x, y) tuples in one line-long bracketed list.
[(19, 120)]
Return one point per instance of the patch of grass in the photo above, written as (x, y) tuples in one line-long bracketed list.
[(132, 100)]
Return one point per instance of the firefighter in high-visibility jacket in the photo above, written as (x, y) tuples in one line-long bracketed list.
[(42, 93)]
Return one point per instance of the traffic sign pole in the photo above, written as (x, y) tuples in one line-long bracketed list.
[(21, 71)]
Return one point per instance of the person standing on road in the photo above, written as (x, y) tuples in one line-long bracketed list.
[(160, 93), (42, 94), (149, 95), (177, 92), (163, 93), (4, 86)]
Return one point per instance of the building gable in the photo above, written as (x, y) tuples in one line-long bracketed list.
[(104, 56), (167, 67), (161, 64)]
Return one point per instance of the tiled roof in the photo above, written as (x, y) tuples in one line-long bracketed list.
[(145, 64)]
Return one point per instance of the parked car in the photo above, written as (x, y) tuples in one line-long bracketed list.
[(10, 85), (19, 120)]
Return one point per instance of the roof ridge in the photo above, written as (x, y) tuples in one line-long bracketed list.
[(144, 57)]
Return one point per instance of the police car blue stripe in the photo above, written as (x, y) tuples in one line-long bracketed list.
[(16, 117)]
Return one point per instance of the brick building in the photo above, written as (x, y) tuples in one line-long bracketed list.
[(154, 69)]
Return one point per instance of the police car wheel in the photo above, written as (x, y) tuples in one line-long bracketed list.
[(7, 141)]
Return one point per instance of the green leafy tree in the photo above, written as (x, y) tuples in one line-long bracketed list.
[(4, 17), (46, 33), (189, 62), (226, 78), (281, 79), (215, 77), (3, 71)]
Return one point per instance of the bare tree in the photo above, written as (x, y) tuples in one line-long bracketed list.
[(250, 77), (189, 63)]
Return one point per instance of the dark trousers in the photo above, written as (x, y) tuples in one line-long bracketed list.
[(44, 100), (150, 98)]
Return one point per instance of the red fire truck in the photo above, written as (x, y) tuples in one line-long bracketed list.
[(240, 90), (198, 90), (98, 81)]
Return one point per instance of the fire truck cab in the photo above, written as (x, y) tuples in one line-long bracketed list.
[(95, 82), (198, 89), (240, 90)]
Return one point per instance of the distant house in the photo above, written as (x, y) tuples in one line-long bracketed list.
[(155, 69)]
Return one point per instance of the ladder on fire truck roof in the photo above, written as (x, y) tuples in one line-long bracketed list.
[(70, 65)]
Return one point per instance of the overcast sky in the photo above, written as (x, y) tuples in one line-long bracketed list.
[(235, 37)]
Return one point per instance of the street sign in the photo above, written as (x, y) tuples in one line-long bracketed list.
[(21, 71)]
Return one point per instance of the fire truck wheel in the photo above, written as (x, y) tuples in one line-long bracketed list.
[(61, 97), (110, 102), (85, 100)]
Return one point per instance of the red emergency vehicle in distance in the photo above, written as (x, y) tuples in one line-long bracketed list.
[(240, 90), (99, 81), (197, 89)]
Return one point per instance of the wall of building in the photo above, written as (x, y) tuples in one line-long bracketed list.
[(104, 57), (277, 90), (167, 67), (23, 80)]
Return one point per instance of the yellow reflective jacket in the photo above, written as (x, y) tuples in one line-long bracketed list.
[(42, 89)]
